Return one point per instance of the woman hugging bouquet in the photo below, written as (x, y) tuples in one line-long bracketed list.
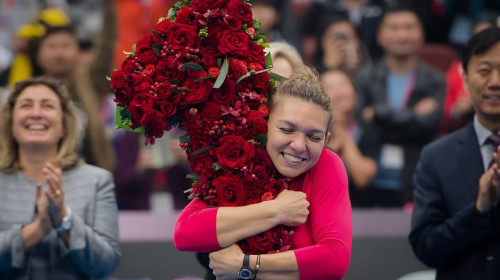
[(203, 68)]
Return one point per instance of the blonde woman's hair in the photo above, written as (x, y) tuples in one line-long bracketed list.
[(67, 155), (288, 52), (304, 84)]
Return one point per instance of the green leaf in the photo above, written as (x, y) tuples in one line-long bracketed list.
[(222, 74), (154, 32), (193, 176), (108, 78), (216, 166), (202, 150), (262, 139), (157, 48), (203, 79), (250, 73), (133, 47), (269, 60), (276, 77), (123, 120), (192, 66), (184, 139), (188, 190)]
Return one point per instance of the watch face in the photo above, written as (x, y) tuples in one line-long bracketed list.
[(245, 273)]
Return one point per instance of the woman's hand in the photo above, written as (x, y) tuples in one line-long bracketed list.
[(55, 193), (291, 207), (226, 263), (43, 220)]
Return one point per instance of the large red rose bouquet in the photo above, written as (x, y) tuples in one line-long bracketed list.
[(204, 69)]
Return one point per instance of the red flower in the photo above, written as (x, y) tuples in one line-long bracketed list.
[(118, 80), (263, 242), (267, 196), (162, 27), (256, 123), (233, 43), (181, 35), (256, 54), (230, 190), (185, 15), (167, 108), (211, 111), (237, 68), (167, 68), (150, 70), (198, 90), (241, 11), (226, 94), (214, 72), (128, 65), (202, 6), (234, 152), (146, 56)]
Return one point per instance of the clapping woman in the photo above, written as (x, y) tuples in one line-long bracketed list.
[(317, 200), (58, 216)]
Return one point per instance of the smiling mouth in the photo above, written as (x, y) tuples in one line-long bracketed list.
[(492, 97), (36, 127), (292, 159)]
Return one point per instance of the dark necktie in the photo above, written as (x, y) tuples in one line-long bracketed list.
[(495, 141)]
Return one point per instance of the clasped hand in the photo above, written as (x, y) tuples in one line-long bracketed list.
[(51, 206), (489, 188)]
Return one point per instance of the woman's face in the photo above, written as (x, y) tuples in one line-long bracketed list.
[(296, 135), (341, 92), (37, 118)]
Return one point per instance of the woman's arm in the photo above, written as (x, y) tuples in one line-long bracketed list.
[(330, 223), (95, 248), (224, 226)]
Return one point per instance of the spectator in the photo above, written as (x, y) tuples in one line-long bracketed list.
[(401, 98), (455, 223), (59, 217), (458, 110), (349, 138), (57, 56), (340, 46), (285, 58), (364, 14), (276, 20)]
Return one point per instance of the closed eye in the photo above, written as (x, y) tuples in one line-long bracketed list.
[(286, 129), (314, 138)]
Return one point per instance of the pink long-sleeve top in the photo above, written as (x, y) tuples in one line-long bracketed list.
[(322, 244)]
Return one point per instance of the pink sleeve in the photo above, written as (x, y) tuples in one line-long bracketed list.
[(195, 229), (330, 219)]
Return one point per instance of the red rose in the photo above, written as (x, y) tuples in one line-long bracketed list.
[(140, 106), (167, 68), (262, 165), (202, 164), (256, 54), (181, 35), (162, 27), (256, 123), (241, 11), (263, 243), (230, 190), (185, 15), (233, 23), (140, 83), (226, 94), (146, 56), (118, 80), (234, 152), (128, 65), (198, 91), (209, 47), (275, 187), (168, 109), (202, 6), (233, 43), (147, 42), (164, 90)]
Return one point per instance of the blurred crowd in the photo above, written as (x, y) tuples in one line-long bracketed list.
[(390, 67)]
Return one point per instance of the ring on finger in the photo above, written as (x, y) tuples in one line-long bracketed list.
[(58, 192)]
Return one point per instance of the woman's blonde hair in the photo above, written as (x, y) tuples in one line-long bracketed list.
[(67, 155), (288, 52), (304, 84)]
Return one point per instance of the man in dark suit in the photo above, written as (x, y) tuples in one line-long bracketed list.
[(456, 218)]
